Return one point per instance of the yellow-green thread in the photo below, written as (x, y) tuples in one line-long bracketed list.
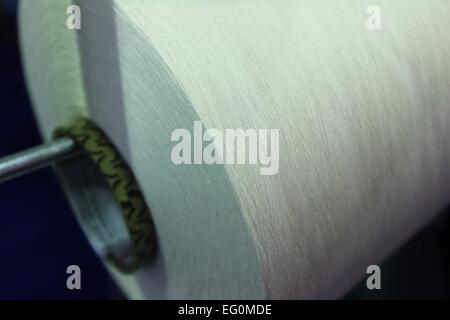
[(93, 142)]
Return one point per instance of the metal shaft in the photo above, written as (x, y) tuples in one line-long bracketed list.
[(35, 158)]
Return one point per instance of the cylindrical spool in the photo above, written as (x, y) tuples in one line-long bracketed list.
[(106, 198), (363, 117)]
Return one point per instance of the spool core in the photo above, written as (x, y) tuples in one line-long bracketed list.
[(101, 188), (106, 198)]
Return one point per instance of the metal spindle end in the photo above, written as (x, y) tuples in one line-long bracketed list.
[(36, 158)]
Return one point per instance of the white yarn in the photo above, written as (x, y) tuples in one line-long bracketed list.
[(364, 121)]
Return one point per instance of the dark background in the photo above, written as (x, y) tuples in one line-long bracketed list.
[(39, 236)]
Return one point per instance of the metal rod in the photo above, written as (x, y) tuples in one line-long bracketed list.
[(35, 158)]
